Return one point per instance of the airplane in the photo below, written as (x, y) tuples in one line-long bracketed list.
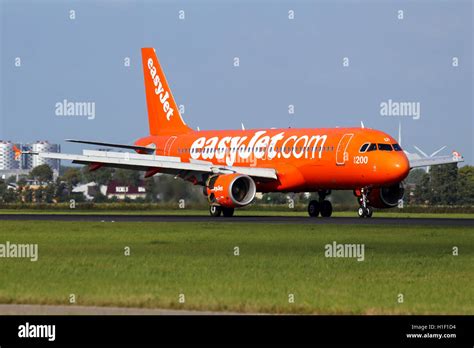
[(233, 165)]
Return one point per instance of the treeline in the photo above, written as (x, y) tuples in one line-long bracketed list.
[(39, 186), (445, 185)]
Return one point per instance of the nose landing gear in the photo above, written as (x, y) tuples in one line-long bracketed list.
[(364, 210), (321, 206)]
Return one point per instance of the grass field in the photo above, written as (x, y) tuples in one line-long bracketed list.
[(197, 260), (239, 212)]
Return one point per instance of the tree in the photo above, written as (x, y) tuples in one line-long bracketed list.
[(38, 195), (172, 190), (28, 195), (127, 177), (151, 190), (60, 191), (415, 176), (72, 176), (11, 179), (42, 173), (466, 185), (99, 197), (49, 193), (100, 176), (423, 190), (7, 195), (275, 198), (444, 184), (22, 182)]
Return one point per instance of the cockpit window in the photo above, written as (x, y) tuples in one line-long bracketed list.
[(372, 147), (385, 147), (396, 147), (364, 147)]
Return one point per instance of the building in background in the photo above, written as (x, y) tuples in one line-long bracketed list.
[(30, 162), (121, 192), (7, 156), (11, 166)]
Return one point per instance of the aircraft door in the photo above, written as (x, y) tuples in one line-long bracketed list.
[(168, 145), (342, 156)]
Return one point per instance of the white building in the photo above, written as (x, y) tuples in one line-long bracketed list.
[(7, 156), (31, 161)]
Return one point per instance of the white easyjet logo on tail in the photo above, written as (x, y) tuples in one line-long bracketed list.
[(159, 90)]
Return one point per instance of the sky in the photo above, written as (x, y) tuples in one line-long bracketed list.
[(336, 62)]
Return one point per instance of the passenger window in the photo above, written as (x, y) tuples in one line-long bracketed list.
[(364, 147), (385, 147), (396, 147)]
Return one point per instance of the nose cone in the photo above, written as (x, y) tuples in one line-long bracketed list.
[(399, 167)]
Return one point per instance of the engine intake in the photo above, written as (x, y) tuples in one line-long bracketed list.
[(386, 197), (231, 190)]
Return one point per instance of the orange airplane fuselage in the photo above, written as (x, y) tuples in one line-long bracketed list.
[(305, 159)]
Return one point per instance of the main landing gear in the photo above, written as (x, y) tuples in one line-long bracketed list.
[(321, 206), (216, 211), (364, 210)]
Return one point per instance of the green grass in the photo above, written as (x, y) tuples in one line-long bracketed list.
[(239, 212), (197, 259)]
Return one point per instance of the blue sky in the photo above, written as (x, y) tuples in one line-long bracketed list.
[(282, 62)]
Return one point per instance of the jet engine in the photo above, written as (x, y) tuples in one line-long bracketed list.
[(231, 190), (386, 197)]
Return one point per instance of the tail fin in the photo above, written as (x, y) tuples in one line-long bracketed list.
[(163, 114)]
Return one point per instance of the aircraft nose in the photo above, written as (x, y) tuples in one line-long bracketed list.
[(400, 167)]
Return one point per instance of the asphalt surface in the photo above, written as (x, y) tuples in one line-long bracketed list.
[(244, 219), (25, 309)]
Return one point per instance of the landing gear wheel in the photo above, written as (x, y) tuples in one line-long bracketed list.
[(228, 212), (326, 208), (370, 211), (365, 212), (313, 208), (215, 210)]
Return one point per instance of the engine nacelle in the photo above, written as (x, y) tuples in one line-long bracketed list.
[(231, 190), (386, 197)]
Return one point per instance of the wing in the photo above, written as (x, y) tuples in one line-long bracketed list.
[(156, 164), (416, 161)]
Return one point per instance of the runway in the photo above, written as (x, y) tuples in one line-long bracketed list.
[(241, 219), (27, 309)]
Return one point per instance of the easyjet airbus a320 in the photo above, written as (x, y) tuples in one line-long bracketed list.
[(232, 165)]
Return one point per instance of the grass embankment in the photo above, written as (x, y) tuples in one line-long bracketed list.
[(197, 260)]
